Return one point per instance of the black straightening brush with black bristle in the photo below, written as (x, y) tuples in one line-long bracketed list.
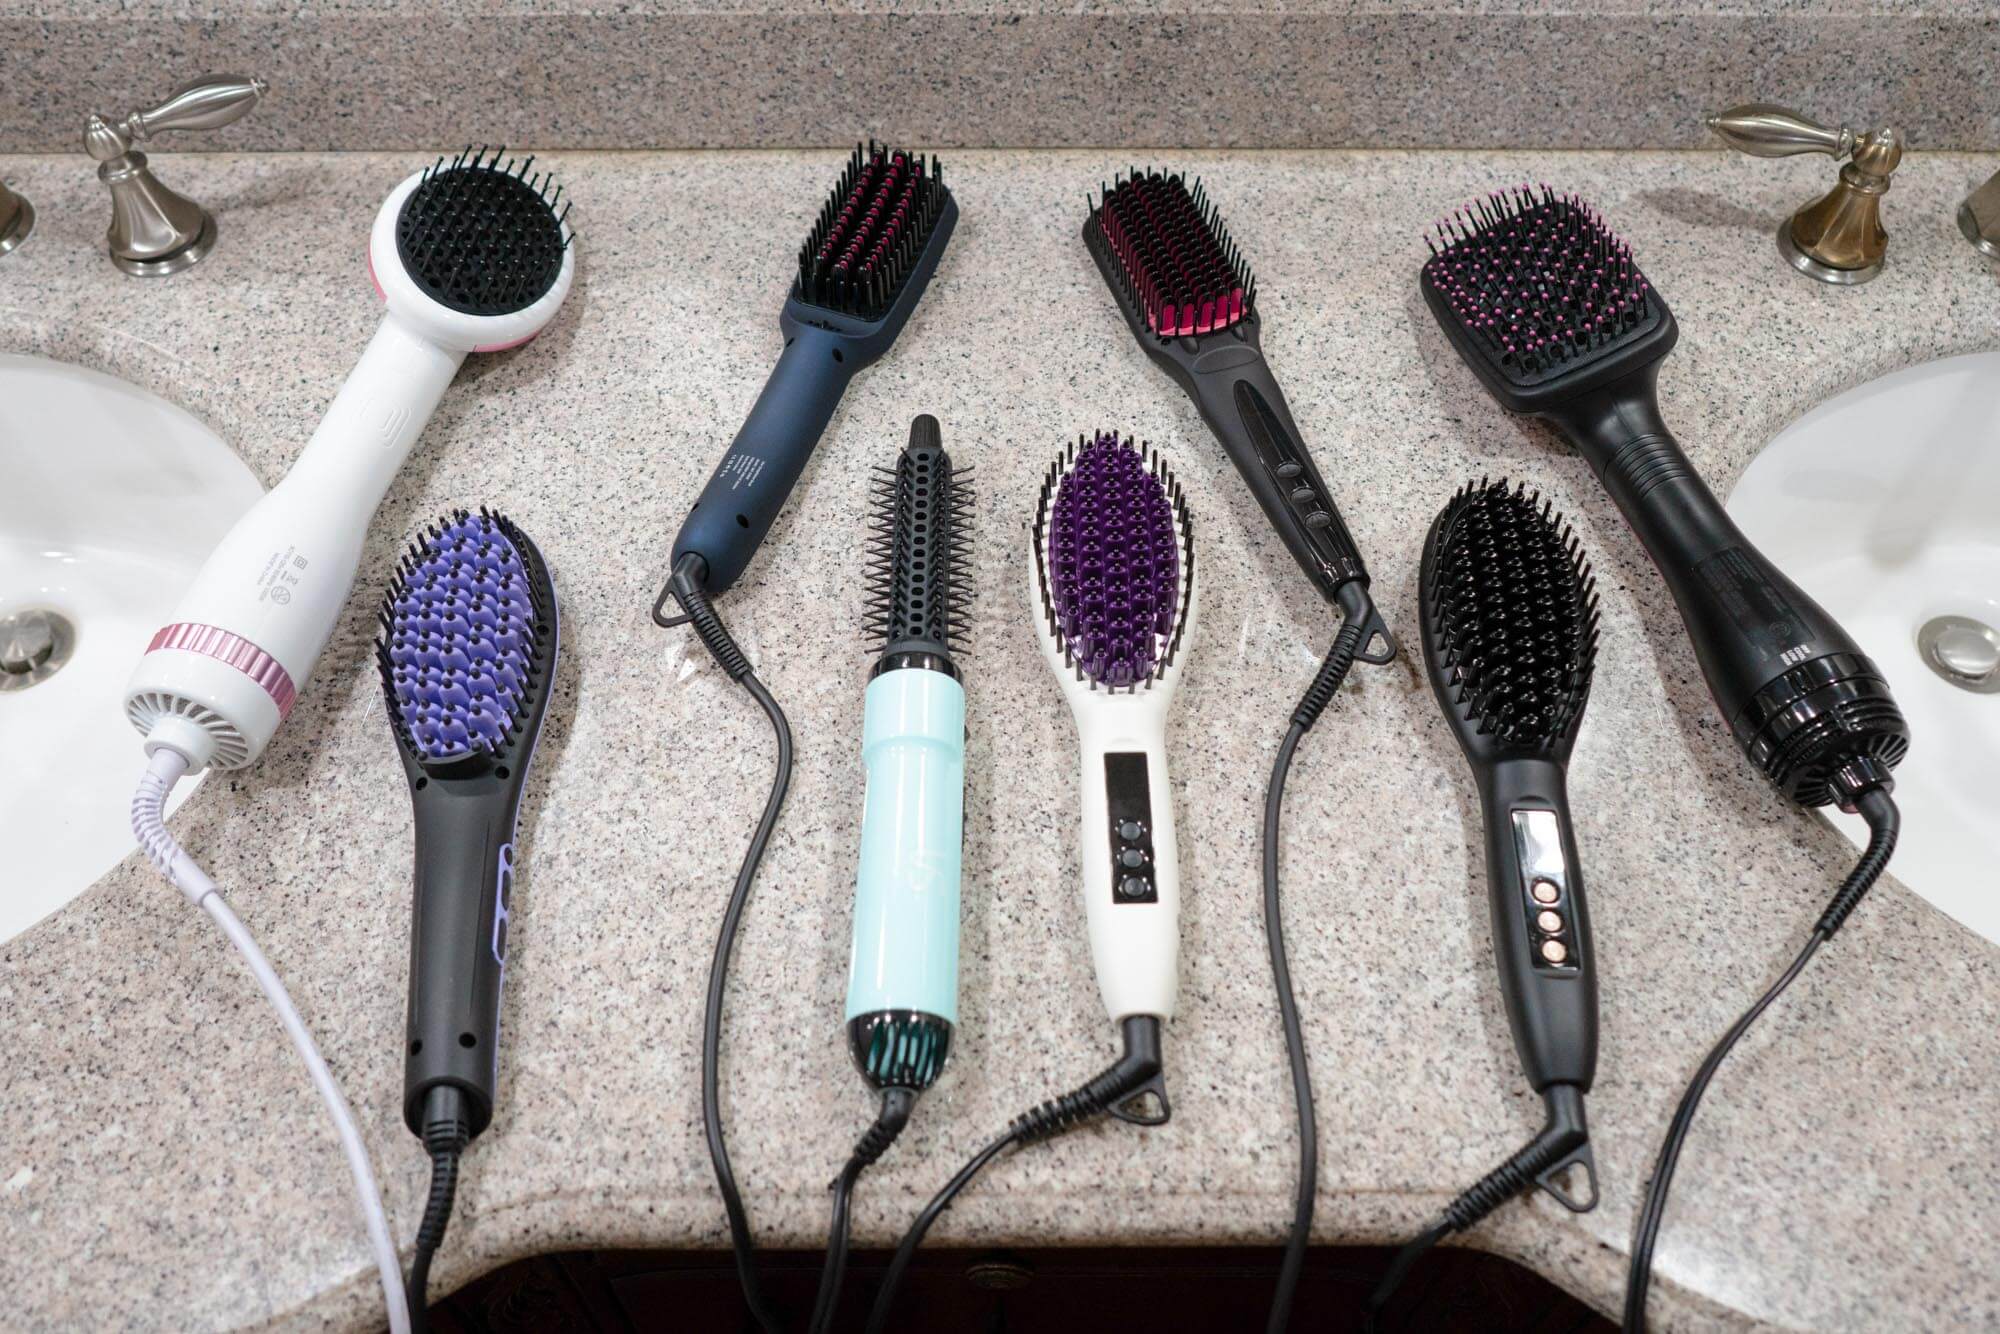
[(1509, 612)]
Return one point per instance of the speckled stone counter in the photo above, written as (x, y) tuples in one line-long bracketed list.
[(164, 1164), (370, 74)]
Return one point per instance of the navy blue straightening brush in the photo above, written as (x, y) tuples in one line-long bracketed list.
[(468, 656)]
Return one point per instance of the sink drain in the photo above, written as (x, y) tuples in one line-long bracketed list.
[(34, 645), (1963, 651)]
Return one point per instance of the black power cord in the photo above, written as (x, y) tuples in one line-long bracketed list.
[(1358, 625), (1332, 672), (685, 586), (447, 1129), (1884, 822), (897, 1104), (1137, 1069), (1560, 1142)]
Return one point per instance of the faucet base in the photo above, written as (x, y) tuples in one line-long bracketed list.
[(1968, 222), (186, 257), (1814, 268), (15, 228)]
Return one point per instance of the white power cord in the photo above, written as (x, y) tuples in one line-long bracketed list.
[(149, 823)]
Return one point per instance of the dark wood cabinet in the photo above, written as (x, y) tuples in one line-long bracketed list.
[(1159, 1290)]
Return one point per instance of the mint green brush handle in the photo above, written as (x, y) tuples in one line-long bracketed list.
[(902, 981)]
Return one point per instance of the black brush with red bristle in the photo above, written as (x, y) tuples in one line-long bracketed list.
[(862, 269), (1192, 304)]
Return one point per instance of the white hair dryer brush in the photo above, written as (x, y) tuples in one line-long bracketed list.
[(470, 255)]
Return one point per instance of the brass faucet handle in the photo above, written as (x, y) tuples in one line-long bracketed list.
[(1837, 238)]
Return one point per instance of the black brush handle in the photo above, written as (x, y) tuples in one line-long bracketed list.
[(1750, 625), (458, 942), (1532, 870), (1240, 400), (755, 477)]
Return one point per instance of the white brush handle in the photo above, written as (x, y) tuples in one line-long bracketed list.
[(1133, 911), (277, 581)]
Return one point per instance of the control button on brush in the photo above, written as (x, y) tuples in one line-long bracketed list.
[(1131, 859), (1550, 922), (1545, 891), (1132, 887), (1554, 951), (1131, 831), (1318, 519), (1290, 470), (1302, 495)]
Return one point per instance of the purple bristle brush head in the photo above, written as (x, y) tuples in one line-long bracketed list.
[(1116, 550), (468, 643)]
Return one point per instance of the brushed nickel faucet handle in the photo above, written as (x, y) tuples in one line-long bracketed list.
[(1838, 238), (155, 231)]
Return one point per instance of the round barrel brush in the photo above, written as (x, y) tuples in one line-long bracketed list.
[(1509, 612), (902, 975), (467, 658)]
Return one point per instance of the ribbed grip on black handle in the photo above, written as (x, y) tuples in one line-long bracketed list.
[(1756, 634), (1240, 400), (1541, 922)]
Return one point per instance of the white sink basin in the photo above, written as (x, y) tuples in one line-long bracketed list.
[(1884, 504), (111, 498)]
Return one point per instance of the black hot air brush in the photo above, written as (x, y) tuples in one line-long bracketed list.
[(1546, 305)]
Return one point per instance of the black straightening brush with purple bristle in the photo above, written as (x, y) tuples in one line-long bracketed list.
[(467, 657)]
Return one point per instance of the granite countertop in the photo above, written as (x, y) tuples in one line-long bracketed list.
[(618, 74), (164, 1163)]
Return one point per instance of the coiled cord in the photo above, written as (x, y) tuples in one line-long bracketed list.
[(1326, 683), (447, 1130), (149, 825), (1884, 822), (1138, 1067), (686, 587), (1560, 1139), (897, 1103)]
